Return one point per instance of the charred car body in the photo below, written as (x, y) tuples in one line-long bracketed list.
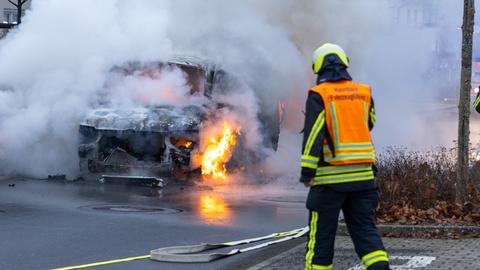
[(158, 139)]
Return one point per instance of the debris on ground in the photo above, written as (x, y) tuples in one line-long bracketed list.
[(434, 234), (442, 213), (418, 188), (57, 177)]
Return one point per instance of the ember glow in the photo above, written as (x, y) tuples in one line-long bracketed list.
[(182, 143), (218, 152)]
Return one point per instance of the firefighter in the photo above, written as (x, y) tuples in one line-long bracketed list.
[(476, 103), (337, 163)]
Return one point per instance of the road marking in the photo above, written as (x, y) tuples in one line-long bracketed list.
[(83, 266), (411, 263)]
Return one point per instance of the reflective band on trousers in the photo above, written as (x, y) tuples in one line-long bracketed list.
[(374, 257), (322, 267), (311, 241)]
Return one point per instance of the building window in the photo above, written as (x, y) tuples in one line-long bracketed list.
[(10, 15), (409, 16), (415, 17), (396, 15)]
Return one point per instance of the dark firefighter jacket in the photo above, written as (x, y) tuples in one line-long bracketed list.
[(476, 103), (314, 107)]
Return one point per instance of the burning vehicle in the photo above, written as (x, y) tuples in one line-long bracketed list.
[(155, 139)]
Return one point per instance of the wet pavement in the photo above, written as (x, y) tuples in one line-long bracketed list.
[(51, 224)]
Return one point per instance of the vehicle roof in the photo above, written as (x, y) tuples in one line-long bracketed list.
[(191, 60), (180, 59)]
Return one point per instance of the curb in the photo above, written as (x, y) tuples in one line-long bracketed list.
[(394, 228)]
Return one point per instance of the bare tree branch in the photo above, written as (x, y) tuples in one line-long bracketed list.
[(23, 2), (13, 3)]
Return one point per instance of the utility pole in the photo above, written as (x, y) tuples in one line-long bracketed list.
[(18, 4), (461, 192)]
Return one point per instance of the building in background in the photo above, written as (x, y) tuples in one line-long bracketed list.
[(429, 26), (415, 13), (8, 14)]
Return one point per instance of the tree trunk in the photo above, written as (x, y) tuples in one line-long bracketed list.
[(19, 12), (461, 192)]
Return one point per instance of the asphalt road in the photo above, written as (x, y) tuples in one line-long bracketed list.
[(48, 224)]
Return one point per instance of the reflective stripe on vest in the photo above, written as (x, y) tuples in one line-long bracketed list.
[(343, 174), (347, 109), (477, 101), (310, 161)]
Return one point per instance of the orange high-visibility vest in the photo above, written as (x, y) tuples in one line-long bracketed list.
[(347, 108)]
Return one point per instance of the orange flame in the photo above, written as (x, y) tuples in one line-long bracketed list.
[(181, 143), (218, 152)]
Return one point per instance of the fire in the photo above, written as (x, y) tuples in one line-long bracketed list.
[(218, 152), (214, 209), (181, 143)]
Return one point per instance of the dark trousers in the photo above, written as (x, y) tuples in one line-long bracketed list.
[(358, 207)]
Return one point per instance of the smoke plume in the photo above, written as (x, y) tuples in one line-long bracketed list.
[(55, 64)]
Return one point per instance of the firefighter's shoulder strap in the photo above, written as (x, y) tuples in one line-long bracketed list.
[(347, 108)]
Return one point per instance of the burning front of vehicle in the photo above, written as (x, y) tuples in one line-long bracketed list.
[(148, 139), (218, 152), (165, 134)]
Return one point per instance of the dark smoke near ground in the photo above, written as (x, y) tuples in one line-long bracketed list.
[(53, 66)]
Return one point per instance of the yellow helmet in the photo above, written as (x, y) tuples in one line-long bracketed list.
[(327, 49)]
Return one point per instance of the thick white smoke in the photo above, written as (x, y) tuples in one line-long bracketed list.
[(54, 64), (165, 86), (408, 51)]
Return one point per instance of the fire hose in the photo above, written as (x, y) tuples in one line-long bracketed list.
[(193, 253)]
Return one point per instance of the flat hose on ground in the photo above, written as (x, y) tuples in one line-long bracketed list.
[(193, 253)]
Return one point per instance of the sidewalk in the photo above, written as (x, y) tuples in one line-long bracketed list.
[(405, 254)]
